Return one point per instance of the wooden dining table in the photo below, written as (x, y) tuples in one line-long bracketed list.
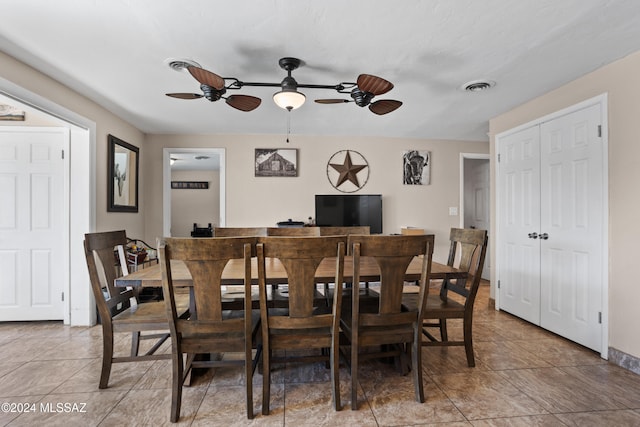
[(233, 273)]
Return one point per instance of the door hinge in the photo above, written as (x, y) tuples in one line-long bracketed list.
[(498, 158), (498, 284), (599, 131), (62, 296), (600, 317), (62, 154)]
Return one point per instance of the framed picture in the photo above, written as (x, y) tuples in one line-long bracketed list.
[(7, 112), (122, 179), (276, 162), (189, 185), (416, 167)]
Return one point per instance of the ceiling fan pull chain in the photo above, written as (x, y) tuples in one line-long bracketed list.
[(288, 124)]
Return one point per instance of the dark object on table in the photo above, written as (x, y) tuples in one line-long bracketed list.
[(202, 231), (290, 223)]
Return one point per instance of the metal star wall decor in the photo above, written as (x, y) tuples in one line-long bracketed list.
[(346, 174)]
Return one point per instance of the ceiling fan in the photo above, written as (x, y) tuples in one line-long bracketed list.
[(362, 92), (365, 89), (213, 88)]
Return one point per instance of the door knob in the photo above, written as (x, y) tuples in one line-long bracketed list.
[(533, 235), (544, 236)]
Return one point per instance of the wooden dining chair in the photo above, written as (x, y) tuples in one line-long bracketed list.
[(118, 307), (388, 327), (210, 328), (304, 325), (293, 231), (467, 252), (239, 231)]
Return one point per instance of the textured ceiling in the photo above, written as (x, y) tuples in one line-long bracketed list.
[(115, 51)]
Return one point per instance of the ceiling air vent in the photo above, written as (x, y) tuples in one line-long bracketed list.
[(181, 64), (478, 85)]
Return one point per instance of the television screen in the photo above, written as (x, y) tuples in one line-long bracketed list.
[(344, 210)]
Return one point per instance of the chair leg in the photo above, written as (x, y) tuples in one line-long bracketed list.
[(248, 379), (354, 376), (468, 343), (107, 357), (266, 378), (405, 358), (135, 343), (416, 366), (176, 385), (335, 374), (443, 330)]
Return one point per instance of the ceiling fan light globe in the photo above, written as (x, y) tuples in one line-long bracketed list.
[(289, 99)]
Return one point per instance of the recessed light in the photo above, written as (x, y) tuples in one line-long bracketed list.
[(181, 64), (477, 85)]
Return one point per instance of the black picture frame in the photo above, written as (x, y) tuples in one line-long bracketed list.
[(122, 176), (189, 185), (276, 162)]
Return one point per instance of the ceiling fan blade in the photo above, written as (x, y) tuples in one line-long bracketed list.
[(185, 95), (384, 106), (206, 77), (332, 101), (373, 84), (243, 102)]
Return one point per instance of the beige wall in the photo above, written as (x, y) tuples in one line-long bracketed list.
[(261, 201), (106, 123), (620, 81), (188, 206)]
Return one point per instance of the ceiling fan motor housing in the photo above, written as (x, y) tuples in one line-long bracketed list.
[(212, 94), (360, 97)]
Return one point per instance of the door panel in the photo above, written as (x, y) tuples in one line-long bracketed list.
[(571, 259), (33, 226), (519, 190)]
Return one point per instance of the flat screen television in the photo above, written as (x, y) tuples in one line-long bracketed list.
[(344, 210)]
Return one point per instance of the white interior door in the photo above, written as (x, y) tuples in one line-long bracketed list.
[(572, 217), (519, 212), (34, 224), (552, 222)]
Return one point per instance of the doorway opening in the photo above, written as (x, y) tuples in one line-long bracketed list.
[(79, 309), (475, 197), (203, 165)]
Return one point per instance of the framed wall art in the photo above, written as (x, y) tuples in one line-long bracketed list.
[(416, 166), (122, 179), (276, 162), (190, 185), (347, 171), (7, 112)]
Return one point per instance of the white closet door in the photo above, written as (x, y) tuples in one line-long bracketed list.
[(572, 216), (519, 192), (34, 225)]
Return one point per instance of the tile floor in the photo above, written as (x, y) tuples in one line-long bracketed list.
[(524, 376)]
